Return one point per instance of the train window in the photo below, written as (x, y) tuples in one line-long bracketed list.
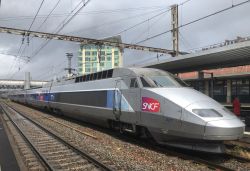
[(104, 74), (77, 79), (91, 76), (145, 83), (133, 83), (87, 77), (83, 78), (166, 81), (136, 84), (95, 76), (110, 73), (99, 75)]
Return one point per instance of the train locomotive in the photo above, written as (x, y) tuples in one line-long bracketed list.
[(145, 101)]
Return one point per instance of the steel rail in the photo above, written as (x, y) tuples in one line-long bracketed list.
[(68, 126), (94, 161), (33, 148), (195, 159), (171, 151)]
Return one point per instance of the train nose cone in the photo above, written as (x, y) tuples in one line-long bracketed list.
[(224, 129)]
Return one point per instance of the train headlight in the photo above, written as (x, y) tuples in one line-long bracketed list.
[(207, 112)]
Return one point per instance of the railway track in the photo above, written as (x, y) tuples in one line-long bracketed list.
[(225, 162), (212, 161), (54, 152), (216, 162)]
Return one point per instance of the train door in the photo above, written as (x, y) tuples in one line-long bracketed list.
[(135, 99), (117, 99)]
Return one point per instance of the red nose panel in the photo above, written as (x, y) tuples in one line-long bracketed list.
[(150, 105)]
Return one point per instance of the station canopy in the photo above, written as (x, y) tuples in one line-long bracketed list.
[(219, 57)]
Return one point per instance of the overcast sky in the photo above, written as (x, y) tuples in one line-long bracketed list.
[(104, 18)]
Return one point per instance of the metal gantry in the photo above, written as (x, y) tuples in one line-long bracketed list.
[(82, 40)]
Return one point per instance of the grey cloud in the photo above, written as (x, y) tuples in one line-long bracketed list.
[(52, 60)]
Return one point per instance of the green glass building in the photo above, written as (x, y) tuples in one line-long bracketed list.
[(93, 58)]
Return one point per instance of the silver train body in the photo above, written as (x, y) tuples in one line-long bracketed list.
[(147, 102)]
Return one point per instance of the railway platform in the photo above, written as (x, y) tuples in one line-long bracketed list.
[(7, 157)]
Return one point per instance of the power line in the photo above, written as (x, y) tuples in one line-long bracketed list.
[(114, 22), (22, 41), (63, 24), (194, 21), (26, 33), (42, 23), (36, 14), (133, 26), (143, 32), (66, 21), (82, 13), (55, 6)]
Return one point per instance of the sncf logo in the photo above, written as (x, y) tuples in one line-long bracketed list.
[(150, 105)]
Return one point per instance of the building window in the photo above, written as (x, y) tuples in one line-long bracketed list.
[(102, 64), (103, 58), (87, 53), (240, 88), (219, 90), (94, 53), (87, 47), (116, 52), (219, 87), (108, 58), (243, 87)]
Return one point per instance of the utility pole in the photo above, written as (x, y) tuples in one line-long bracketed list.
[(69, 69), (175, 29)]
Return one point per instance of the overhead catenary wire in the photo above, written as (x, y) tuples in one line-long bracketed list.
[(182, 38), (149, 27), (144, 21), (83, 13), (41, 24), (63, 24), (19, 50), (50, 13), (115, 21), (194, 21), (36, 15)]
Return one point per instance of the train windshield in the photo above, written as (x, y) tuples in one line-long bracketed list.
[(163, 80)]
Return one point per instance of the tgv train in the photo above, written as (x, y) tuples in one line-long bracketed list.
[(144, 101)]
